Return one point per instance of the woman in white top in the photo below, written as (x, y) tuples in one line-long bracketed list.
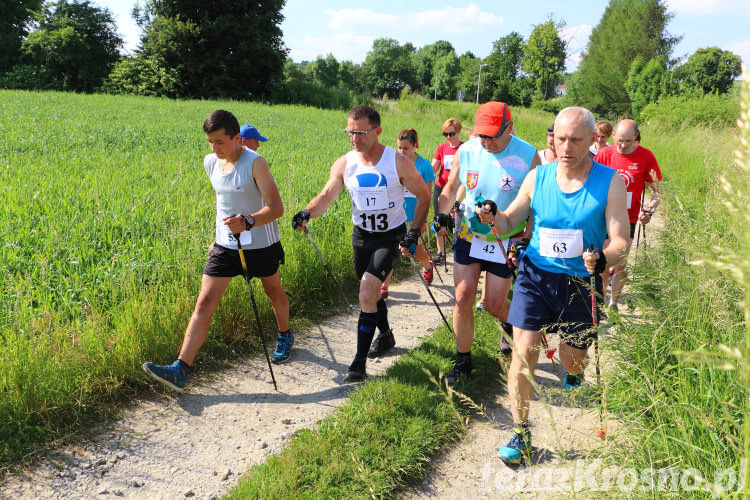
[(548, 155)]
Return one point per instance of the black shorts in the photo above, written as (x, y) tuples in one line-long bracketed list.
[(436, 190), (461, 255), (632, 230), (375, 252), (261, 262), (555, 302)]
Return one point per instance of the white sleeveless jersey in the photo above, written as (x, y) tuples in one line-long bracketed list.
[(376, 192)]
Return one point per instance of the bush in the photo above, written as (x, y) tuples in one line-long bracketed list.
[(307, 93), (691, 109), (550, 106)]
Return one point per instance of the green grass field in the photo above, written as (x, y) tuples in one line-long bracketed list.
[(106, 222)]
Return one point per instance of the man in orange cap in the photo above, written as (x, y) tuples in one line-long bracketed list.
[(491, 166)]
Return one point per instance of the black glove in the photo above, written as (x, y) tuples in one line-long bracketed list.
[(411, 240), (441, 220), (519, 246), (601, 263), (299, 218), (492, 205)]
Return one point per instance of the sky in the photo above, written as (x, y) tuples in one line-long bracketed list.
[(347, 29)]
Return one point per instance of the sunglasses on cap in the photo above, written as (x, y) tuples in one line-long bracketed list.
[(499, 132), (448, 134)]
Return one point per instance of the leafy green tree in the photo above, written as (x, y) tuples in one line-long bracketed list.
[(222, 48), (544, 57), (467, 78), (388, 67), (446, 71), (647, 82), (709, 70), (500, 78), (424, 61), (325, 71), (74, 47), (15, 23), (350, 77), (627, 29)]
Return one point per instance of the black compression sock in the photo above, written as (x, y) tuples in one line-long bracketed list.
[(184, 367), (365, 332), (383, 325)]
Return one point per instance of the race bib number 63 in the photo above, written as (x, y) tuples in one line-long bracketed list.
[(560, 243)]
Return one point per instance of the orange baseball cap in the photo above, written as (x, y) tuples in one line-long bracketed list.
[(491, 118)]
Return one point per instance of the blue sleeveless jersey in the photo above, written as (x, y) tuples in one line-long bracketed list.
[(567, 221), (493, 176)]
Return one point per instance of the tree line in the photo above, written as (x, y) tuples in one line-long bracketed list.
[(234, 49)]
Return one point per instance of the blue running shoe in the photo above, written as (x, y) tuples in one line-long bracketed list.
[(170, 375), (572, 381), (283, 348), (518, 447)]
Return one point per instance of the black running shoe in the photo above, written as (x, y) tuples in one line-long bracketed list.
[(382, 344), (505, 348), (461, 370), (356, 372)]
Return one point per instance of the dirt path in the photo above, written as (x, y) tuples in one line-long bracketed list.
[(197, 444)]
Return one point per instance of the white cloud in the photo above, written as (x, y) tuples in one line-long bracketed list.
[(742, 49), (699, 7), (576, 39), (467, 19), (345, 46)]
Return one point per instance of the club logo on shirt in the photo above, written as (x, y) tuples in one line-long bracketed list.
[(371, 180), (627, 177), (472, 179), (506, 183), (634, 166)]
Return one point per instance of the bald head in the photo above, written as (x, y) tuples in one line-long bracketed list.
[(626, 133), (578, 112)]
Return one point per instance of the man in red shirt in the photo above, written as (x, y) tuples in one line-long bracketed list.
[(638, 167)]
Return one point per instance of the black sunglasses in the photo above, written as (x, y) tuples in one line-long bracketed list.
[(499, 132), (448, 134)]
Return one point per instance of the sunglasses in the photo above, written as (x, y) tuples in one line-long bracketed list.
[(499, 133), (359, 133), (448, 134)]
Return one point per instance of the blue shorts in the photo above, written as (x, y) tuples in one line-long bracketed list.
[(461, 255), (554, 302)]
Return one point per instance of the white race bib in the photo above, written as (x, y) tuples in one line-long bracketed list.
[(370, 198), (448, 162), (630, 199), (560, 243), (487, 250), (225, 238)]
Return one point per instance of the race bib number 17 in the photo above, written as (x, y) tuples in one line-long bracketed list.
[(560, 243), (373, 198)]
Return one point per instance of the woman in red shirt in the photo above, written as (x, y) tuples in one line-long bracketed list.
[(442, 162)]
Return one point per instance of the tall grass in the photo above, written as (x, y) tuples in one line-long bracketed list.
[(684, 402)]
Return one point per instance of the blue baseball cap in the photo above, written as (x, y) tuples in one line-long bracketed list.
[(250, 132)]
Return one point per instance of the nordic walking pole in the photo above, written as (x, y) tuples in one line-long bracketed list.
[(414, 263), (325, 264), (601, 432), (255, 308), (550, 353), (432, 261)]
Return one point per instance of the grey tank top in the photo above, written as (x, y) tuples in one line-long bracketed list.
[(237, 193)]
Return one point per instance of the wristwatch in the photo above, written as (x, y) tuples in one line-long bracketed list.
[(249, 222)]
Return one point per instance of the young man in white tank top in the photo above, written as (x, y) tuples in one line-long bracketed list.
[(375, 176), (247, 204)]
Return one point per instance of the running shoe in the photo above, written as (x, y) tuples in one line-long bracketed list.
[(428, 275), (383, 292), (505, 348), (461, 371), (572, 381), (356, 371), (439, 258), (170, 375), (480, 306), (518, 447), (383, 343), (283, 348), (613, 314)]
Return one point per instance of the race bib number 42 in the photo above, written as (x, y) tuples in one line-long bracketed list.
[(560, 243), (487, 250)]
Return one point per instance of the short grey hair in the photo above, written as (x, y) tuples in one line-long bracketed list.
[(587, 115)]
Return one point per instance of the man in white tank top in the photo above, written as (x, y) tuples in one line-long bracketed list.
[(247, 204), (375, 176)]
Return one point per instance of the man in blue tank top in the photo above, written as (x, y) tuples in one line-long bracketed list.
[(491, 167), (375, 176), (576, 202), (247, 204)]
